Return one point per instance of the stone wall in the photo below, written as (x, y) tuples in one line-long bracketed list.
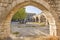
[(9, 7)]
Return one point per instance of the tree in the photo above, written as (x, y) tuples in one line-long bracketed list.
[(20, 14)]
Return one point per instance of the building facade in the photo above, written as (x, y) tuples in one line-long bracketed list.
[(29, 17)]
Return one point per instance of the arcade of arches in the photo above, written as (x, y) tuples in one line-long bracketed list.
[(51, 9)]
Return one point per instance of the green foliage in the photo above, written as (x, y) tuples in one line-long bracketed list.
[(42, 24), (33, 26), (20, 14), (30, 26), (16, 33)]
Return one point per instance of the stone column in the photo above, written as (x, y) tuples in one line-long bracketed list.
[(5, 27), (4, 30), (52, 29), (58, 19), (39, 18), (58, 29), (46, 22), (35, 19)]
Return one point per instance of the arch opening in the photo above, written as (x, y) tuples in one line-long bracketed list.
[(49, 17)]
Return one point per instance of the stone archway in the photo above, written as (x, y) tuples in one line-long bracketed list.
[(37, 19), (39, 5), (42, 18), (52, 25)]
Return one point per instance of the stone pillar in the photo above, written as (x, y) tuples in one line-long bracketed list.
[(5, 27), (52, 27), (58, 17), (46, 22), (35, 19), (39, 18), (58, 29), (4, 30)]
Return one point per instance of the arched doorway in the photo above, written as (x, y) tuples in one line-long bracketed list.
[(37, 19), (42, 18), (49, 17)]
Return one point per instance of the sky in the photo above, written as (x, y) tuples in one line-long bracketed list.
[(32, 9)]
